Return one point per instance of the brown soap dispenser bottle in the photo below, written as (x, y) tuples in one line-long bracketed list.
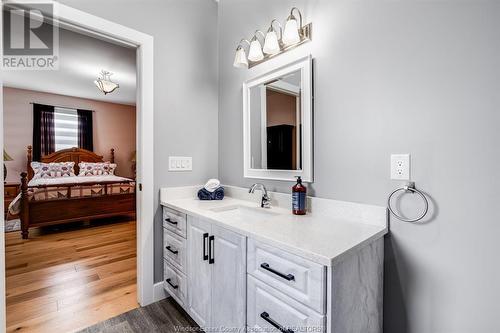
[(299, 198)]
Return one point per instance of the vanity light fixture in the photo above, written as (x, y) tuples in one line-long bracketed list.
[(255, 52), (293, 35), (240, 59), (272, 42), (105, 84)]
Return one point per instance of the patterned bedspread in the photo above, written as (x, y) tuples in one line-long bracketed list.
[(53, 188)]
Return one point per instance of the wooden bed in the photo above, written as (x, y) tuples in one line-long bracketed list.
[(35, 213)]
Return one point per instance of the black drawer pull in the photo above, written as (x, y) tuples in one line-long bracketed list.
[(205, 237), (264, 315), (171, 285), (288, 277), (170, 221), (170, 249), (211, 249)]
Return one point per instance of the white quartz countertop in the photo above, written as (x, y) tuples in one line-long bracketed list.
[(324, 238)]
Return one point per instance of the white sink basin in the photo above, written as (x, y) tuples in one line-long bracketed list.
[(244, 212)]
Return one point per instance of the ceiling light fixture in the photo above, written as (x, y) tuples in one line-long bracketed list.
[(105, 84), (293, 35)]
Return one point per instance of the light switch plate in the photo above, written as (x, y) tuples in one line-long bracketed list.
[(400, 166), (180, 163)]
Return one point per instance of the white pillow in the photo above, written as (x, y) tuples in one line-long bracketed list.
[(96, 169), (53, 170)]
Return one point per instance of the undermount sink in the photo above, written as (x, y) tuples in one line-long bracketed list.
[(244, 212)]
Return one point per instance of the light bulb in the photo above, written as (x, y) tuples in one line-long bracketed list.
[(291, 33), (255, 53), (240, 59), (271, 44)]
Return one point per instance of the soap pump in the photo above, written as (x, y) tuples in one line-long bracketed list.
[(299, 198)]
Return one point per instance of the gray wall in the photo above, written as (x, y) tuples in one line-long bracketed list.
[(185, 92), (419, 77)]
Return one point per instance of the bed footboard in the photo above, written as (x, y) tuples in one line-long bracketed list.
[(35, 213)]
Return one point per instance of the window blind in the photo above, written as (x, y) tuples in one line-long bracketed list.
[(66, 128)]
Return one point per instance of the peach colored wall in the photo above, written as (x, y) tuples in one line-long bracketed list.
[(281, 108), (114, 127)]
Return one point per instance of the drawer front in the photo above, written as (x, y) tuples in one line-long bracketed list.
[(297, 277), (175, 283), (10, 191), (268, 309), (174, 249), (174, 221)]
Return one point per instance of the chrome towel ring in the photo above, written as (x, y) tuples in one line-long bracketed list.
[(409, 187)]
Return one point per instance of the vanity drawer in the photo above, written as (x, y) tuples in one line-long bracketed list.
[(268, 308), (297, 277), (174, 221), (174, 249), (175, 283)]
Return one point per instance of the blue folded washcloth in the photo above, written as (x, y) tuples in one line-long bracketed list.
[(218, 194)]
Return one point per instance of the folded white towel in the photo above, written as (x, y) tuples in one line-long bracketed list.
[(212, 185)]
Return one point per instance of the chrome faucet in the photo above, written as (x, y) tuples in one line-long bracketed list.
[(265, 201)]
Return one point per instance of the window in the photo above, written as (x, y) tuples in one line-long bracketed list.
[(66, 128)]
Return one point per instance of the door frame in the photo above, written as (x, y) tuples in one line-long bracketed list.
[(96, 26)]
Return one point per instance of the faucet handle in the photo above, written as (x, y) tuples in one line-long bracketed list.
[(265, 202)]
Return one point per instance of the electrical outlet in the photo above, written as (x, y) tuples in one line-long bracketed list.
[(180, 163), (400, 166)]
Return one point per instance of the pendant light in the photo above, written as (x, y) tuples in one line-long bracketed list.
[(271, 42), (255, 52), (240, 58), (105, 84), (291, 34)]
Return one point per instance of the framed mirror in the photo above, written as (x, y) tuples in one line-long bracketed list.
[(277, 123)]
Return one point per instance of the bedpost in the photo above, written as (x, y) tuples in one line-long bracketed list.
[(24, 215), (112, 159), (28, 167)]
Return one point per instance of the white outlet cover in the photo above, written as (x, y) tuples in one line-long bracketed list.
[(400, 166)]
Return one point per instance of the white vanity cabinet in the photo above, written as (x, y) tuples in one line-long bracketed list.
[(216, 260), (174, 255), (232, 281)]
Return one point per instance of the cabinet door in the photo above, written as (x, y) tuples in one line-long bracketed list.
[(199, 271), (228, 279)]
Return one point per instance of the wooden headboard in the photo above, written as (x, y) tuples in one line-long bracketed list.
[(74, 154)]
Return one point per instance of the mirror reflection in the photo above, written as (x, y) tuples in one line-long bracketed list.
[(276, 124)]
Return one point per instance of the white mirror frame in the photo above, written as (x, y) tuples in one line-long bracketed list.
[(305, 66)]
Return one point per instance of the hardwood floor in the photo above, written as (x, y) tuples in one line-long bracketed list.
[(64, 281)]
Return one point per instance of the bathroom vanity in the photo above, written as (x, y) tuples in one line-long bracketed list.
[(231, 264)]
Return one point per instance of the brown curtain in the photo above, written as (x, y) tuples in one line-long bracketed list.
[(85, 130), (44, 136)]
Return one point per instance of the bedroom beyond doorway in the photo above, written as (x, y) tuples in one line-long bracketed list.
[(70, 188)]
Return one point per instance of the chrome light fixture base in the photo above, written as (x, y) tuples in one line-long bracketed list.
[(305, 36)]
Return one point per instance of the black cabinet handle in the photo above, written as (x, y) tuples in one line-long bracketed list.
[(205, 237), (170, 249), (264, 315), (170, 221), (288, 277), (211, 243), (171, 285)]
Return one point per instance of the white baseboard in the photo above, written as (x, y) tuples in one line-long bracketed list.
[(159, 292)]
